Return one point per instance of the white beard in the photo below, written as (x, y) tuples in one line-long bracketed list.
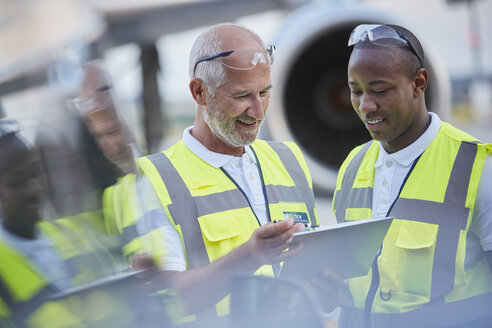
[(225, 129)]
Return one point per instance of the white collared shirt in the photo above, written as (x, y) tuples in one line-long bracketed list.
[(243, 170), (391, 170)]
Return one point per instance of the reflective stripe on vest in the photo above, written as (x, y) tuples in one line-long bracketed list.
[(451, 216), (453, 208), (349, 197), (83, 263), (301, 192), (185, 208), (150, 221)]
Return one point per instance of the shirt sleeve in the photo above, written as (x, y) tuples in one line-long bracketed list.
[(173, 256), (482, 217)]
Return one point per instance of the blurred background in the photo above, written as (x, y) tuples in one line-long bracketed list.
[(142, 50), (145, 46)]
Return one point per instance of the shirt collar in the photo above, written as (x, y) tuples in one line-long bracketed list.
[(212, 158), (407, 155)]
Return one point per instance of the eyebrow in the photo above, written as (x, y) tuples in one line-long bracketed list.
[(247, 92), (370, 83), (377, 82)]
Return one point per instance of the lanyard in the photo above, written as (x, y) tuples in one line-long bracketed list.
[(263, 188), (276, 267)]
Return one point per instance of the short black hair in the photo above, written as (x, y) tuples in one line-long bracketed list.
[(408, 56)]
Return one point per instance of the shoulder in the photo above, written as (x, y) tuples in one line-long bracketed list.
[(278, 147), (178, 147), (371, 145), (454, 133)]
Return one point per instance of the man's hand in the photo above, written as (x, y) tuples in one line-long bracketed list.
[(268, 244)]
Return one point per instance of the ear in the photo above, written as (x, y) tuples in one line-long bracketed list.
[(198, 91), (420, 82)]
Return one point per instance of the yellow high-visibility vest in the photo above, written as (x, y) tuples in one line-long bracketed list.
[(23, 293), (421, 279), (209, 210), (26, 295), (122, 210)]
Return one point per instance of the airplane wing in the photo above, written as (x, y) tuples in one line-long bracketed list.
[(144, 22)]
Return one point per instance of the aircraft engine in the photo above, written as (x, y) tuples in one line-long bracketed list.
[(310, 102)]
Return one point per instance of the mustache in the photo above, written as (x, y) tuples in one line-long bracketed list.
[(246, 118)]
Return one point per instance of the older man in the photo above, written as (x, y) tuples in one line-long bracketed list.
[(221, 188), (434, 269)]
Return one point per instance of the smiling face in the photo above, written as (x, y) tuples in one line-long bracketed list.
[(386, 98), (110, 136), (234, 115), (231, 118)]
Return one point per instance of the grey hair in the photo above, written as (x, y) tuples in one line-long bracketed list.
[(208, 43)]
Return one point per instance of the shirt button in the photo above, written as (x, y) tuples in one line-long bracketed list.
[(385, 183), (389, 164)]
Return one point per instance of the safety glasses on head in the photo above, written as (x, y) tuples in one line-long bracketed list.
[(382, 35), (242, 59)]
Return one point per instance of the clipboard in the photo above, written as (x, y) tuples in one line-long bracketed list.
[(348, 249)]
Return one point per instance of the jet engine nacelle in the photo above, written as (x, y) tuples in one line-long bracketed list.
[(310, 103)]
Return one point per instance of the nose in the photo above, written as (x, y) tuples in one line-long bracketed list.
[(111, 145), (35, 187), (367, 104), (256, 107)]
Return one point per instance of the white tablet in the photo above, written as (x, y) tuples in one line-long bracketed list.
[(348, 249)]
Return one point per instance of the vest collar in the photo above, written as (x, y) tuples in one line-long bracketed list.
[(212, 158)]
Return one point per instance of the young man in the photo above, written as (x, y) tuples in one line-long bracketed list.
[(435, 181), (221, 188), (35, 258)]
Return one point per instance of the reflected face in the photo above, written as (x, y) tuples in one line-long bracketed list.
[(382, 94), (109, 135), (21, 187), (234, 115)]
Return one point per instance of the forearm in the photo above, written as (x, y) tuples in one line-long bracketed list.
[(202, 287)]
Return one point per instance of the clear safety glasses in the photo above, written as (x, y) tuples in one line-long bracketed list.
[(382, 35), (89, 103), (242, 59)]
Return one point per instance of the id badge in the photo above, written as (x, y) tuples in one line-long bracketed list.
[(299, 217)]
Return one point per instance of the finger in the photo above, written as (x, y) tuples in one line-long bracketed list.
[(274, 229), (299, 227), (282, 240), (291, 252)]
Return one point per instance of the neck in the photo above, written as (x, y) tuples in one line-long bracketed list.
[(27, 232), (202, 133), (414, 132)]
